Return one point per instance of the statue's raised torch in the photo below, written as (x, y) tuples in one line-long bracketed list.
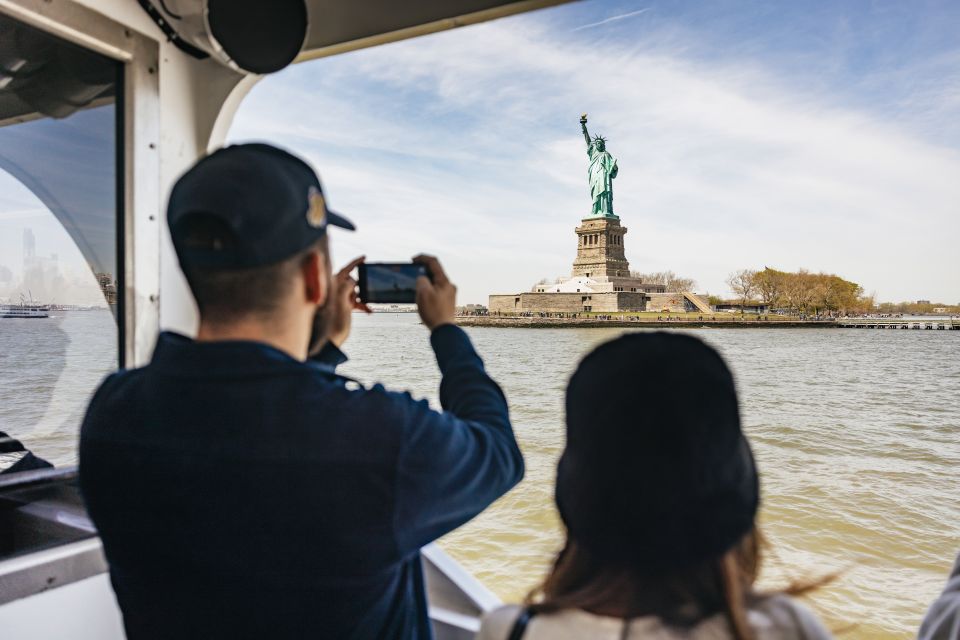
[(602, 171)]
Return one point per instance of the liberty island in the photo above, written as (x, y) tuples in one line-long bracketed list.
[(601, 288), (600, 280)]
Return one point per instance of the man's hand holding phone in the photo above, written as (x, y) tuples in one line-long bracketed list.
[(423, 281), (436, 295), (345, 301)]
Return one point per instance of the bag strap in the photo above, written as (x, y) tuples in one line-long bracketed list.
[(520, 625)]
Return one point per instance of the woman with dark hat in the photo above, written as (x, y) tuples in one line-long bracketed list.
[(659, 492)]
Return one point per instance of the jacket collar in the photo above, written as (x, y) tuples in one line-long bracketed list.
[(179, 355)]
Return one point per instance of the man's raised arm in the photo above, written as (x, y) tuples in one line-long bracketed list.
[(453, 464)]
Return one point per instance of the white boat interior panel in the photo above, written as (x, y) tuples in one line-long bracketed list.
[(336, 26)]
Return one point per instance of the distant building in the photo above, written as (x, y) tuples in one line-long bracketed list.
[(734, 306), (923, 302), (474, 309), (41, 277), (29, 246), (108, 286)]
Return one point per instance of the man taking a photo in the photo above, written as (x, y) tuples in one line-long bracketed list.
[(240, 486)]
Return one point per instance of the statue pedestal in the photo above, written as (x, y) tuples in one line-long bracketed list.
[(600, 253)]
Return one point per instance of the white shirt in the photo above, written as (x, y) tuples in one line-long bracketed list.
[(773, 618), (942, 621)]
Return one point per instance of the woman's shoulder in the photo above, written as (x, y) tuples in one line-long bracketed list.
[(566, 624), (497, 624), (775, 617), (780, 616)]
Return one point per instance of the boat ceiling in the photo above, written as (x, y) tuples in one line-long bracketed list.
[(337, 26), (344, 25)]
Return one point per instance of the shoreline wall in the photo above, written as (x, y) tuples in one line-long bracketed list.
[(590, 323)]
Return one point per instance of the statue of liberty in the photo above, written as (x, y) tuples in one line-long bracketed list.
[(602, 171)]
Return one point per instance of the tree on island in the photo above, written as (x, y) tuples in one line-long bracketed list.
[(801, 292), (770, 285), (798, 291), (669, 279), (743, 286)]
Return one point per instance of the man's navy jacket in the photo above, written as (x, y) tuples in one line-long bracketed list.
[(242, 493)]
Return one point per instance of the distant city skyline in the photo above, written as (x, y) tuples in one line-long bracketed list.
[(42, 277), (64, 226)]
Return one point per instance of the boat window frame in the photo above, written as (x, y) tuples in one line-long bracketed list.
[(138, 194)]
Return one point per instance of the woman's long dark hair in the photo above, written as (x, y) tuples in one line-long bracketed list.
[(581, 580)]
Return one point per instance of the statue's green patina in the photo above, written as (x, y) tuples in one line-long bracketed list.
[(602, 171)]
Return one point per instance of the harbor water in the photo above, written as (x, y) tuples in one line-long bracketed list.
[(856, 434)]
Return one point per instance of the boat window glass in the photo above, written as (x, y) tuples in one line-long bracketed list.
[(58, 240)]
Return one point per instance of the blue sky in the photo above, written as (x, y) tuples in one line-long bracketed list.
[(818, 135)]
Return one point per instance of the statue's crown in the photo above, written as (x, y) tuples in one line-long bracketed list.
[(599, 138)]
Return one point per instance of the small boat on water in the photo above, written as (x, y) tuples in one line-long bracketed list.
[(24, 310)]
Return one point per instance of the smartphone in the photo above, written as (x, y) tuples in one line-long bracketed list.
[(390, 282)]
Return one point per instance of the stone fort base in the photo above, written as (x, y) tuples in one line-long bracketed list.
[(602, 302)]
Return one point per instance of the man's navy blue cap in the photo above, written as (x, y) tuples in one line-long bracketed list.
[(267, 202)]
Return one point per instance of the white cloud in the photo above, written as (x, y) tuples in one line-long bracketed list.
[(467, 144), (620, 16)]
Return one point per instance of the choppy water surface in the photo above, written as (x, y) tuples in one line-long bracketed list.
[(855, 431), (48, 369)]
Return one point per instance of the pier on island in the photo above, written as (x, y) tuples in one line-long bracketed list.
[(900, 323)]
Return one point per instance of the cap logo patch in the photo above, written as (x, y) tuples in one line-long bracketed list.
[(317, 210)]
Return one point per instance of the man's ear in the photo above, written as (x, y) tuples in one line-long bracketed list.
[(314, 280)]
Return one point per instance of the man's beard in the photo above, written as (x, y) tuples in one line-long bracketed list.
[(321, 322)]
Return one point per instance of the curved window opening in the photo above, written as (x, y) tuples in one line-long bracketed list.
[(740, 143), (59, 268)]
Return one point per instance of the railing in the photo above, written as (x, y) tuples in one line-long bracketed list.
[(63, 570), (900, 323)]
